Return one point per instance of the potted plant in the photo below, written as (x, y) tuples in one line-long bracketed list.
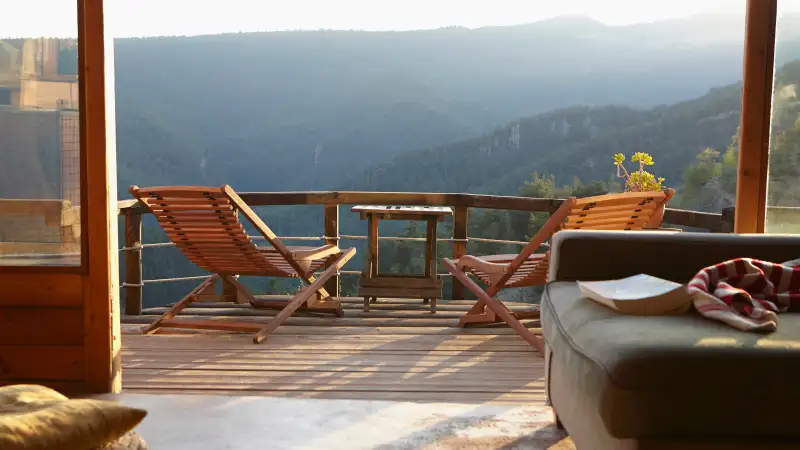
[(640, 180)]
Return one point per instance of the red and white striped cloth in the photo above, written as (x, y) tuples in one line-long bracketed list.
[(746, 293)]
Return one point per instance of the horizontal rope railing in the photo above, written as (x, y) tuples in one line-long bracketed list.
[(203, 277), (342, 236)]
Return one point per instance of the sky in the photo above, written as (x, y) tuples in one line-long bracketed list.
[(128, 18)]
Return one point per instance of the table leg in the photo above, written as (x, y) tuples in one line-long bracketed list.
[(430, 261), (367, 272), (374, 250)]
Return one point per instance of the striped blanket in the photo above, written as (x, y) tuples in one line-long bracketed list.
[(746, 293)]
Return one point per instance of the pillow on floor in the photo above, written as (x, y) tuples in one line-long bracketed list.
[(36, 417)]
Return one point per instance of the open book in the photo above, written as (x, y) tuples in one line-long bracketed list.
[(642, 295)]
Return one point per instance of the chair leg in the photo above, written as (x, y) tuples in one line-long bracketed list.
[(180, 305), (478, 313), (303, 296), (496, 307)]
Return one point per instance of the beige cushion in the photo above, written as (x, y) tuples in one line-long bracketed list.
[(36, 417)]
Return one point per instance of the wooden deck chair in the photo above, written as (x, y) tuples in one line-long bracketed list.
[(629, 211), (204, 224)]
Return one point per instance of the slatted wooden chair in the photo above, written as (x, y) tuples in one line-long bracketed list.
[(204, 224), (633, 211)]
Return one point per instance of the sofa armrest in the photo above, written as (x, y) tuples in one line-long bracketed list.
[(603, 255)]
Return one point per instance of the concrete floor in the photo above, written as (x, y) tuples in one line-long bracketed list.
[(200, 422)]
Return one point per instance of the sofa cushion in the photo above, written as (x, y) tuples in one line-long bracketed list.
[(675, 375), (36, 417)]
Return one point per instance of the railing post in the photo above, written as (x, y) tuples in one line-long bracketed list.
[(332, 237), (728, 219), (133, 263), (229, 292), (459, 247)]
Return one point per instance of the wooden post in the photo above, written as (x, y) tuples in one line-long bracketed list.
[(759, 61), (459, 247), (229, 291), (332, 232), (728, 219), (102, 363), (133, 263)]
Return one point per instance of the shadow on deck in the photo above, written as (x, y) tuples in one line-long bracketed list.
[(398, 351)]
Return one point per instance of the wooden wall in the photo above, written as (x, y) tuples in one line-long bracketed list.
[(42, 330), (59, 326)]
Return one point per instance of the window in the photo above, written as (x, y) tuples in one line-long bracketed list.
[(783, 192), (39, 139)]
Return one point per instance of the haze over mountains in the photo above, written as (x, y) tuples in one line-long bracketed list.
[(448, 110), (325, 109)]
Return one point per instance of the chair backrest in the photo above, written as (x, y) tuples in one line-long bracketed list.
[(629, 211), (204, 224)]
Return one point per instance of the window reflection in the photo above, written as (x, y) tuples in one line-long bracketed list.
[(40, 149)]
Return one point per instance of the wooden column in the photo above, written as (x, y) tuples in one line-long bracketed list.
[(459, 247), (133, 263), (99, 200), (332, 232), (759, 61)]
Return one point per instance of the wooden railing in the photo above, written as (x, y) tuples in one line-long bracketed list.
[(132, 212)]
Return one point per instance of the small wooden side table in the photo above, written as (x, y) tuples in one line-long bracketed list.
[(374, 284)]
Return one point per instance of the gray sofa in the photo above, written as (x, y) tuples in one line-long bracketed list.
[(680, 382)]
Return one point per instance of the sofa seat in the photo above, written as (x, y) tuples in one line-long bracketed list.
[(673, 376)]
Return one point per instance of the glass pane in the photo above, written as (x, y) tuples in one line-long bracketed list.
[(39, 135), (783, 193)]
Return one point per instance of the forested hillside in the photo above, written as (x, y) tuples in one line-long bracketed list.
[(577, 141), (448, 110), (311, 110)]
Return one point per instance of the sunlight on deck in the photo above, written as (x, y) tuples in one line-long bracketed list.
[(426, 367)]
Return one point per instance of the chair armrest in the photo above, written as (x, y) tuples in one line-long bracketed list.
[(602, 255), (316, 253), (471, 262)]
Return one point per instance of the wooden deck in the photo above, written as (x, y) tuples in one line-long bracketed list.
[(397, 351)]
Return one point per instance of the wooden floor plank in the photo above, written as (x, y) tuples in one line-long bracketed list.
[(327, 331), (309, 367), (465, 389), (383, 305), (512, 359), (326, 321), (290, 343), (448, 380), (241, 341), (426, 397)]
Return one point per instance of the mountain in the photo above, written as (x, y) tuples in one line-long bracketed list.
[(440, 110), (312, 110), (576, 141)]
